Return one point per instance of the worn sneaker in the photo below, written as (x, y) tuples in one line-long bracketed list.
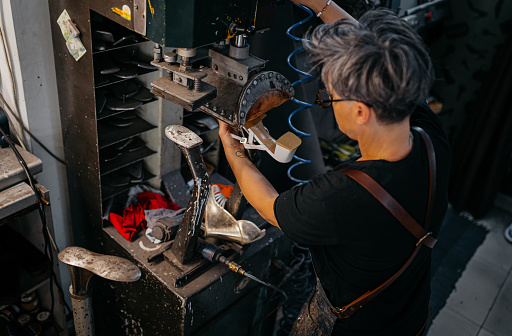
[(508, 233)]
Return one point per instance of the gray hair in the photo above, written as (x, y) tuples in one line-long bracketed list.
[(380, 60)]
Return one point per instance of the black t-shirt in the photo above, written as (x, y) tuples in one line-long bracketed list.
[(356, 244)]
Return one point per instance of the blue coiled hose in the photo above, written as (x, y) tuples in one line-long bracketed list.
[(303, 105)]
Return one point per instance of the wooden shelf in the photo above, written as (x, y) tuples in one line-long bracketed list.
[(108, 113), (12, 171), (15, 199), (98, 83), (108, 192), (125, 160), (110, 47), (29, 283), (109, 135), (98, 23)]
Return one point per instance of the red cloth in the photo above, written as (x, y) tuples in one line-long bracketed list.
[(130, 223), (150, 201), (133, 219)]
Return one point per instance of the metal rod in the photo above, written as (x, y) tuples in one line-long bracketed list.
[(241, 41), (416, 9), (82, 315), (157, 53)]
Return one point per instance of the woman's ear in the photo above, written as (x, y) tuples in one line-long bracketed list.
[(363, 113)]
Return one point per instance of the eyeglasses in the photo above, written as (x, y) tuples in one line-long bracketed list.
[(324, 99)]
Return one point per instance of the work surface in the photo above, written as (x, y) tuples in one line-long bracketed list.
[(11, 171), (16, 195)]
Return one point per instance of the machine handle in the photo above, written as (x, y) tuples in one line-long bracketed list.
[(106, 266)]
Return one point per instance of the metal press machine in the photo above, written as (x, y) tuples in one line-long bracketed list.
[(205, 276)]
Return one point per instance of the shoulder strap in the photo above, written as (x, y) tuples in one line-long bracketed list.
[(433, 174), (392, 205), (402, 216)]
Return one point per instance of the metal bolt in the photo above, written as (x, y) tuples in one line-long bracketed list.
[(222, 112), (207, 104), (271, 75), (197, 85), (241, 78), (248, 90), (214, 109), (244, 102), (170, 57), (255, 82), (215, 67)]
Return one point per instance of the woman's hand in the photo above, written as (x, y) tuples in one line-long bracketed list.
[(330, 13), (257, 189), (228, 141), (310, 3)]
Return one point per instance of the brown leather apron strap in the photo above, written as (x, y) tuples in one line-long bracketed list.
[(392, 205), (432, 172), (424, 237), (351, 308)]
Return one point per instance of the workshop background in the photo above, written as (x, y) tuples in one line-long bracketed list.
[(470, 48)]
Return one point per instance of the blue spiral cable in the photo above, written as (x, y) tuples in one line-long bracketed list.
[(303, 105)]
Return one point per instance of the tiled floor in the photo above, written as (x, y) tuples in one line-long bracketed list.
[(481, 303)]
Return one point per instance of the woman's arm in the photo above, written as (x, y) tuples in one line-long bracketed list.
[(256, 188), (330, 14)]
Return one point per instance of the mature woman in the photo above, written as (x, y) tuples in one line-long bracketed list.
[(377, 74)]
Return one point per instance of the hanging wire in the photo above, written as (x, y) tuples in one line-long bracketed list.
[(300, 279), (21, 138), (252, 277), (303, 105), (28, 132), (298, 283), (49, 241)]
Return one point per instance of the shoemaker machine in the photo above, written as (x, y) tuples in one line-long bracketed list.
[(205, 275)]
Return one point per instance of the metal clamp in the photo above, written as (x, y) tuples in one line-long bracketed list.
[(423, 238)]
